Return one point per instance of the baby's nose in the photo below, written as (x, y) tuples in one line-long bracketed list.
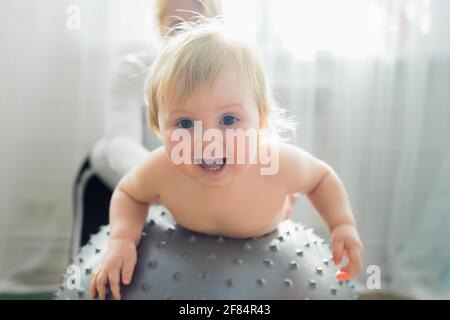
[(212, 149), (211, 146)]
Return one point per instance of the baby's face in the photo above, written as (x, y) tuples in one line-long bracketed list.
[(228, 104)]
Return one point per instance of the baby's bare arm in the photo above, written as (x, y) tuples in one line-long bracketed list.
[(131, 199), (321, 184), (133, 195), (316, 179), (128, 211)]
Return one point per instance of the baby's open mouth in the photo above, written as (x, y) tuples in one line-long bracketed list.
[(213, 165)]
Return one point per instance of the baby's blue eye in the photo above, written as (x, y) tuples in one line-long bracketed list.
[(185, 123), (229, 120)]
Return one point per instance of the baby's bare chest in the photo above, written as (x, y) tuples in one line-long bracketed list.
[(244, 210)]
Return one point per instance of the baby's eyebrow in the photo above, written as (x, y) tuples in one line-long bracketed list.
[(179, 111), (234, 104)]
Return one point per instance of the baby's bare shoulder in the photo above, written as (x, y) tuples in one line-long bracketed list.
[(280, 157), (146, 180), (158, 164), (286, 155), (290, 155), (298, 169)]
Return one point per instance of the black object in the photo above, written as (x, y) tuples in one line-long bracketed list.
[(91, 198)]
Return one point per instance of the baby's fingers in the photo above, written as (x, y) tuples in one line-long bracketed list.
[(353, 266), (127, 270), (338, 251), (102, 279), (114, 282), (93, 284)]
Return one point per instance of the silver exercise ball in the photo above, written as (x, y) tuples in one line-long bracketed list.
[(176, 263)]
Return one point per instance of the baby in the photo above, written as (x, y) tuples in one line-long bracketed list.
[(218, 173)]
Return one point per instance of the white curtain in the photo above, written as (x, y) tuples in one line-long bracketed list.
[(54, 81), (368, 81)]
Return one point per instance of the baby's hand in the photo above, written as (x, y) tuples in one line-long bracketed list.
[(118, 263), (345, 241)]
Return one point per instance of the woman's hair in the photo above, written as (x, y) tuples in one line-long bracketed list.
[(209, 8), (194, 57)]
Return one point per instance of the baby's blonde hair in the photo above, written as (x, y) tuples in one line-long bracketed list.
[(194, 58)]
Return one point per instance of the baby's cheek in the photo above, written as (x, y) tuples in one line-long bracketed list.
[(187, 169), (179, 151), (177, 157), (242, 148)]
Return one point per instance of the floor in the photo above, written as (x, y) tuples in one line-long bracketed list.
[(39, 296)]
